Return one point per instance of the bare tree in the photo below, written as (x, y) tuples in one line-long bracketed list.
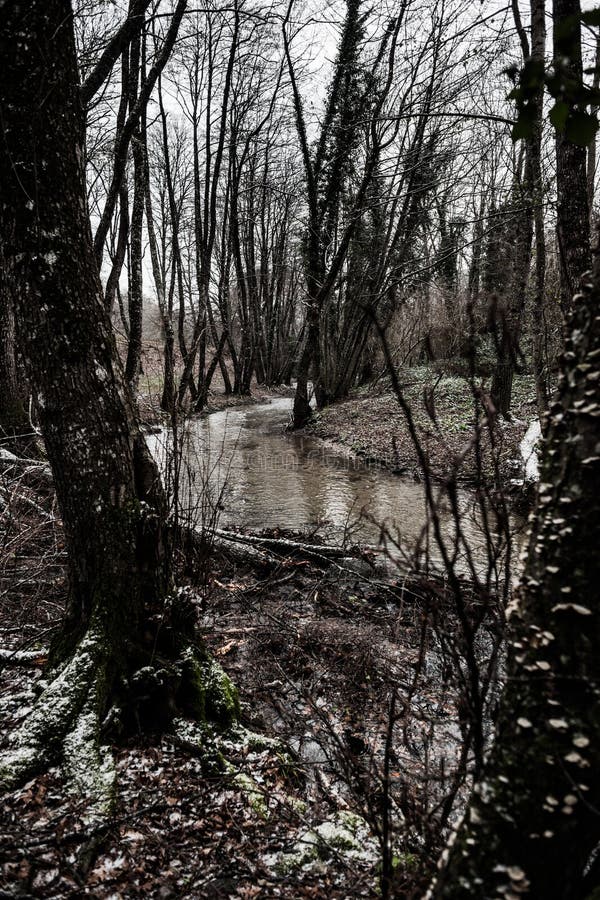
[(325, 169)]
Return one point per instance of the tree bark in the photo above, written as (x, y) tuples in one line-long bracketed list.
[(538, 51), (136, 297), (509, 324), (118, 620), (98, 457), (532, 824), (165, 300), (592, 150), (573, 217), (15, 430), (112, 282)]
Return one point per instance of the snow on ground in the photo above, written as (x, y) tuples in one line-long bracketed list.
[(529, 448)]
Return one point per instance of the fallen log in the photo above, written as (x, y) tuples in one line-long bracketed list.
[(285, 546), (253, 556), (259, 551), (205, 542), (23, 657)]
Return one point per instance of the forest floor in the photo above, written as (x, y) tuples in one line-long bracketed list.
[(319, 653), (372, 424)]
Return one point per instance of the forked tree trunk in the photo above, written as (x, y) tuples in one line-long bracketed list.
[(532, 826)]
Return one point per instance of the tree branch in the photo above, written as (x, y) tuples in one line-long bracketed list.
[(115, 47)]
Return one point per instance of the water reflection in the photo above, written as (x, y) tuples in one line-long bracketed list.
[(266, 477)]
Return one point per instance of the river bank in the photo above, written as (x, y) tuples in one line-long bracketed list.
[(151, 384), (372, 425)]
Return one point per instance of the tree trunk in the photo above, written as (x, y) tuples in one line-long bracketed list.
[(15, 430), (509, 321), (310, 354), (510, 326), (136, 300), (112, 282), (591, 150), (118, 620), (100, 465), (538, 50), (532, 824), (573, 218)]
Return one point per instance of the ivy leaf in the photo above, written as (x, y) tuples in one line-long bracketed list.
[(513, 72), (523, 127), (581, 128), (565, 34), (559, 115), (591, 17), (525, 94), (532, 76)]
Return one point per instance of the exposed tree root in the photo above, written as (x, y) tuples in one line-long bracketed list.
[(41, 737), (213, 747), (89, 766), (69, 720)]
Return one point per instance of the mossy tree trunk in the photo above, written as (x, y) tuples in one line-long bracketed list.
[(533, 824), (122, 623)]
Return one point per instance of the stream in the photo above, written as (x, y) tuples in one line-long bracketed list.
[(243, 463)]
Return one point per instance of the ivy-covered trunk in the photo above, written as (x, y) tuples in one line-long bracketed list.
[(533, 825), (309, 356)]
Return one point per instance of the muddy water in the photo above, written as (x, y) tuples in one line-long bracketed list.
[(258, 475)]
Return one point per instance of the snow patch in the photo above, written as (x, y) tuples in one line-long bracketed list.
[(529, 449), (343, 834)]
